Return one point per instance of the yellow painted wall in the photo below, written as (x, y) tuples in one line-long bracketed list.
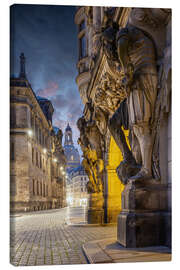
[(115, 187)]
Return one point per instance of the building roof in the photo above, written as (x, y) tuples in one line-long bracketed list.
[(78, 169), (42, 98)]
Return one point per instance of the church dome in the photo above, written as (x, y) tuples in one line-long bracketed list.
[(71, 153)]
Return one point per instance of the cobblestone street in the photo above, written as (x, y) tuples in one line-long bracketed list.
[(44, 238)]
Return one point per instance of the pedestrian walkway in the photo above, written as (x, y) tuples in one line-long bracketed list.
[(44, 238), (109, 251)]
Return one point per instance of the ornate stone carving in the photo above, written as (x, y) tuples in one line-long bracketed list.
[(109, 93), (91, 144), (137, 84), (89, 14), (153, 18)]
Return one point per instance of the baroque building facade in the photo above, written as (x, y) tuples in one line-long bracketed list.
[(77, 194), (37, 180), (124, 80)]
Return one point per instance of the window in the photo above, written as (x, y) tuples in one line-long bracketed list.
[(33, 186), (40, 161), (37, 159), (32, 155), (72, 158), (82, 42), (12, 151), (12, 116), (21, 116), (36, 130), (41, 189), (39, 135), (82, 189), (44, 190), (32, 122), (13, 187), (37, 188)]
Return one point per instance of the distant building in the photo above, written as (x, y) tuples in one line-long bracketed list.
[(71, 153), (37, 177), (78, 195), (76, 191)]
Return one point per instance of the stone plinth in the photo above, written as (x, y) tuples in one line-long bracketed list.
[(95, 213), (142, 219)]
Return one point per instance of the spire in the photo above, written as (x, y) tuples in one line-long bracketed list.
[(68, 127), (22, 73), (68, 136)]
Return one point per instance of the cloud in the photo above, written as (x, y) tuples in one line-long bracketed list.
[(48, 37), (51, 90), (59, 102)]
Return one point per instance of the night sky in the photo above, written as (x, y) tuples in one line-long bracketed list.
[(48, 37)]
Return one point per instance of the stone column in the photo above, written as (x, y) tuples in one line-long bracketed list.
[(102, 13), (96, 17), (96, 29)]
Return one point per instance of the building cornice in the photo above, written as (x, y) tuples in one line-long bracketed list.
[(33, 102)]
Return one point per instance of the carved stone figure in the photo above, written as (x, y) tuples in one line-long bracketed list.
[(90, 142), (136, 54)]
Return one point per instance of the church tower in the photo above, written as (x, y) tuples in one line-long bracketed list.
[(68, 136), (71, 153)]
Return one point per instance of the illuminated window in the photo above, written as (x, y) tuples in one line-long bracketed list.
[(72, 158)]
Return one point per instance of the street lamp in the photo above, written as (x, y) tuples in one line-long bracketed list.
[(30, 133), (55, 159), (44, 150)]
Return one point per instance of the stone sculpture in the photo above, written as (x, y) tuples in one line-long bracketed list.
[(90, 142), (135, 92), (136, 54)]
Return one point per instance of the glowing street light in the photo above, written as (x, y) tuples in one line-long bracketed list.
[(61, 168), (30, 133), (44, 150), (55, 159)]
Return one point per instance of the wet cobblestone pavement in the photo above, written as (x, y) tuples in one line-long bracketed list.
[(44, 238)]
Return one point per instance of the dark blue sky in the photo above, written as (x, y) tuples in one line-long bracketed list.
[(48, 37)]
